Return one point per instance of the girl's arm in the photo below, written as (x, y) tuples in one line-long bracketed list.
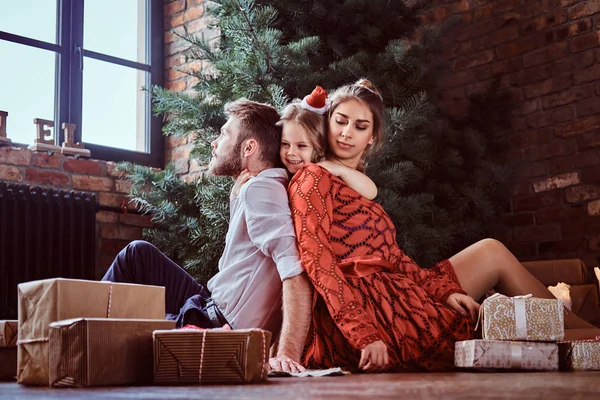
[(353, 178)]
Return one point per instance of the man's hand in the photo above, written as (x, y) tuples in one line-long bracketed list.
[(463, 304), (285, 364), (374, 357)]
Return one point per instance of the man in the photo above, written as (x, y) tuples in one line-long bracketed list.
[(260, 259)]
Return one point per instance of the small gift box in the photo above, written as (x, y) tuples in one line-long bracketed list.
[(496, 354), (523, 318), (8, 350), (46, 301), (580, 355), (190, 356), (102, 352)]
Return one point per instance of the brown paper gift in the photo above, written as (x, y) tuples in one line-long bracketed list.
[(522, 318), (496, 354), (46, 301), (184, 357), (580, 355), (8, 350), (102, 352)]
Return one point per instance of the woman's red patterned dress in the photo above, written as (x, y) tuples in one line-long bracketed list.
[(367, 289)]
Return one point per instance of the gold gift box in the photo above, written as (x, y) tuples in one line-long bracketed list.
[(580, 355), (46, 301), (102, 352), (186, 357), (496, 354), (523, 318)]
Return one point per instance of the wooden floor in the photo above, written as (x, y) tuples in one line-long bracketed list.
[(438, 386)]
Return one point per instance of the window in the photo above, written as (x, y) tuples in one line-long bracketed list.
[(84, 62)]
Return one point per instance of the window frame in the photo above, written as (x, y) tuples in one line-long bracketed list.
[(68, 93)]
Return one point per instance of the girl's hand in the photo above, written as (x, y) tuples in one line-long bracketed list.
[(374, 357), (335, 168), (463, 304), (242, 178)]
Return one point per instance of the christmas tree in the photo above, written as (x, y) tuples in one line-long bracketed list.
[(432, 173)]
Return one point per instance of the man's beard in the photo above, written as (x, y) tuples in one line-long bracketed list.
[(229, 166)]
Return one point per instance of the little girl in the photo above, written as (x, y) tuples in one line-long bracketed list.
[(304, 141)]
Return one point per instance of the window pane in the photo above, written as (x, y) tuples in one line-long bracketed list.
[(26, 88), (114, 105), (34, 19), (116, 28)]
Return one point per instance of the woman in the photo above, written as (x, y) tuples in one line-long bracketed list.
[(374, 309)]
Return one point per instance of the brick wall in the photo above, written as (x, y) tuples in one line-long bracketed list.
[(547, 54), (113, 228)]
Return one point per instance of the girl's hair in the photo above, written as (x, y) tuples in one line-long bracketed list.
[(313, 123), (365, 92)]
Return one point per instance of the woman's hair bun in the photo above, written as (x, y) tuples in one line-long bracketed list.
[(367, 84)]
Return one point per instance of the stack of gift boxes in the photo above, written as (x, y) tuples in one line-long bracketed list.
[(73, 333), (525, 333)]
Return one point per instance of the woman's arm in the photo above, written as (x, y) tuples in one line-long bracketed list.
[(312, 211), (353, 178)]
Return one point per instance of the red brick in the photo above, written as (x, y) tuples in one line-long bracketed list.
[(518, 46), (545, 21), (583, 227), (580, 27), (454, 50), (587, 107), (477, 87), (591, 174), (563, 246), (461, 6), (88, 167), (574, 161), (44, 160), (565, 213), (113, 200), (174, 7), (196, 25), (182, 166), (533, 169), (567, 96), (192, 177), (107, 216), (176, 86), (121, 232), (594, 243), (556, 182), (546, 54), (112, 247), (501, 6), (10, 173), (497, 37), (537, 201), (583, 59), (527, 107), (520, 189), (47, 177), (15, 156), (578, 194), (518, 124), (518, 219), (473, 60), (585, 9), (174, 74), (453, 94), (587, 74), (578, 126), (123, 186), (537, 233), (503, 67), (144, 221), (524, 251), (556, 35), (531, 75), (92, 183), (594, 207), (531, 9), (176, 21), (550, 117), (585, 42), (530, 137), (548, 86), (193, 13)]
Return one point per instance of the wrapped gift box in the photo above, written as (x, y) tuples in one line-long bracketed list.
[(8, 350), (522, 318), (46, 301), (496, 354), (184, 357), (102, 352), (580, 355)]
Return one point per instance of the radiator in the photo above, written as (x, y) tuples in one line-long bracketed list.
[(44, 233)]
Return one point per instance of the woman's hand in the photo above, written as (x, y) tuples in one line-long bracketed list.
[(374, 357), (285, 364), (335, 168), (242, 178), (463, 304)]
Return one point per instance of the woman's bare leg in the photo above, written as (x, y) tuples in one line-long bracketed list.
[(488, 264)]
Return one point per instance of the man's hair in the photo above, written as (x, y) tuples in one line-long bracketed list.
[(258, 121)]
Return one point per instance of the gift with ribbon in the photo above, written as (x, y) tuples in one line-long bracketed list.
[(496, 354), (580, 355), (523, 318), (8, 350), (46, 301), (102, 351), (192, 356)]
